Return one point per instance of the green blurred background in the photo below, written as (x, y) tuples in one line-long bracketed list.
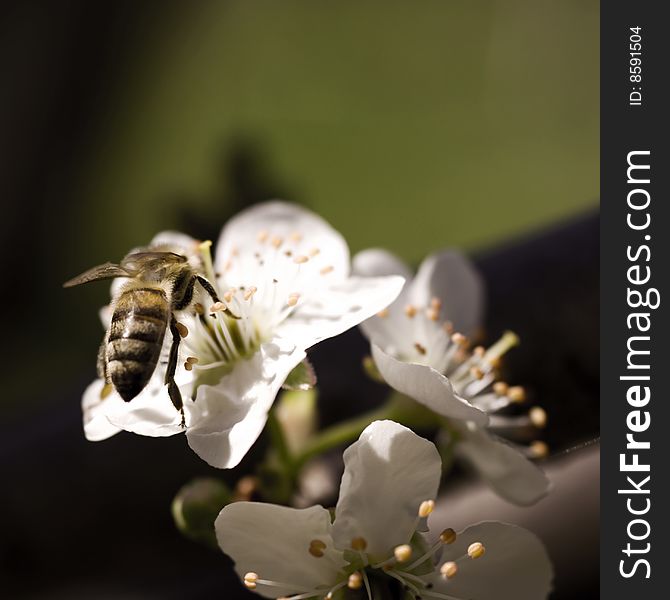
[(406, 125)]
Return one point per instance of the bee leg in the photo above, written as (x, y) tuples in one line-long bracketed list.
[(209, 288), (173, 388)]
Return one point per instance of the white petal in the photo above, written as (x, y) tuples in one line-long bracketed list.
[(226, 418), (376, 262), (513, 476), (515, 566), (451, 277), (388, 473), (175, 239), (273, 541), (96, 424), (426, 385), (250, 234), (338, 308)]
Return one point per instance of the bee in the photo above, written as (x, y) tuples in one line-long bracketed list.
[(159, 283)]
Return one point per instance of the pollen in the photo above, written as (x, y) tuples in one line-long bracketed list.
[(449, 569), (293, 299), (355, 581), (476, 550), (448, 536), (516, 394), (262, 236), (426, 507), (359, 544), (410, 311), (538, 417), (326, 270), (402, 553), (300, 260), (250, 580), (316, 548), (182, 329)]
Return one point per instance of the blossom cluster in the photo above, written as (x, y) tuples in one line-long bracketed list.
[(282, 281)]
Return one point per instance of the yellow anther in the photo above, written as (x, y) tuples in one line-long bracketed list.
[(106, 390), (302, 259), (359, 544), (313, 252), (250, 580), (432, 314), (419, 348), (182, 329), (293, 299), (250, 292), (355, 581), (410, 311), (316, 548), (326, 270), (435, 304), (426, 507), (383, 313), (538, 449), (262, 236), (448, 536), (229, 295), (194, 360), (205, 246), (188, 366), (459, 339), (295, 236), (500, 388), (449, 569), (476, 550), (402, 553), (276, 241), (516, 394), (479, 351), (216, 307), (538, 417), (477, 373)]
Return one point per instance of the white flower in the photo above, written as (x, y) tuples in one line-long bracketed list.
[(283, 273), (391, 476), (419, 347)]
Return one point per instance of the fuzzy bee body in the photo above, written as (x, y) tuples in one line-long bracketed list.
[(160, 282)]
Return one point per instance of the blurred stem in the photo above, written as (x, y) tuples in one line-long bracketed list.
[(278, 440)]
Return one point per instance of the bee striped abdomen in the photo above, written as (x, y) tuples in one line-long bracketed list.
[(135, 339)]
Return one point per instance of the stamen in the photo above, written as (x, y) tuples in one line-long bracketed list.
[(199, 308), (182, 329), (448, 569), (448, 536), (402, 553), (432, 314), (476, 550), (538, 449), (448, 327), (262, 236), (205, 252), (410, 311), (355, 581), (302, 259), (250, 292), (217, 307), (276, 241), (505, 343), (296, 236), (382, 314), (313, 252), (459, 339), (500, 388), (516, 394), (426, 507), (229, 295), (332, 590), (435, 303), (326, 270), (420, 349), (293, 299), (477, 373), (538, 417), (250, 580), (359, 544), (316, 548)]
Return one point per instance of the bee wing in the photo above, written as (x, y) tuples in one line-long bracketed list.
[(150, 260), (105, 271)]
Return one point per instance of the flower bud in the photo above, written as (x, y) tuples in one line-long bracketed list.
[(196, 506)]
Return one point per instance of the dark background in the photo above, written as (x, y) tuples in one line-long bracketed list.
[(403, 127)]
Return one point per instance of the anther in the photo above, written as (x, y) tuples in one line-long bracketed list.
[(359, 544), (216, 307), (538, 449), (479, 351), (426, 507), (106, 390), (448, 327), (402, 553), (355, 581), (516, 394), (419, 348), (477, 373), (476, 550), (538, 417), (250, 580), (250, 292), (190, 361), (182, 329), (435, 304), (313, 252), (276, 241), (383, 313), (448, 569), (448, 536), (302, 259), (262, 236), (199, 308), (432, 314), (410, 311), (293, 299), (500, 388), (229, 295), (326, 270), (316, 548), (459, 339), (295, 236)]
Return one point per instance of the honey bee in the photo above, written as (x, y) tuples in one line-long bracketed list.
[(159, 283)]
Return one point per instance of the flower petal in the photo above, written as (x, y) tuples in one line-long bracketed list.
[(96, 424), (338, 308), (426, 385), (376, 262), (451, 277), (515, 566), (511, 475), (176, 239), (388, 473), (226, 418), (254, 245), (273, 541)]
